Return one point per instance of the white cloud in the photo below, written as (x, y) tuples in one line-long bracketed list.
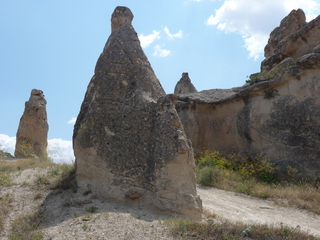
[(159, 52), (310, 7), (254, 20), (186, 2), (59, 150), (172, 36), (147, 40), (7, 143), (72, 120)]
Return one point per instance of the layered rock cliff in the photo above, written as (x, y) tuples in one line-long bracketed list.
[(128, 140), (276, 113)]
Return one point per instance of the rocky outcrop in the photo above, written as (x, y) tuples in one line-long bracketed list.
[(184, 85), (128, 140), (276, 113), (290, 24), (5, 155), (299, 39), (33, 128)]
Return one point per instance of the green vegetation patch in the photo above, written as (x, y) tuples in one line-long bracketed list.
[(253, 174)]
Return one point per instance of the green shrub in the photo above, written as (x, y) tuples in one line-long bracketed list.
[(209, 176), (247, 165)]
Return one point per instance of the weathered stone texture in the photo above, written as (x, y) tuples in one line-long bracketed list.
[(128, 140), (301, 38), (184, 85), (278, 113), (33, 128), (290, 24)]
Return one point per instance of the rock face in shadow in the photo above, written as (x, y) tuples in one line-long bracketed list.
[(128, 140), (184, 85), (33, 128), (276, 113)]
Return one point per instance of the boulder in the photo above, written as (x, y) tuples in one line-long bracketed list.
[(129, 143), (33, 128), (184, 85)]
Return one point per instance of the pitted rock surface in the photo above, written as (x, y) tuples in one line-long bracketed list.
[(33, 128), (128, 140)]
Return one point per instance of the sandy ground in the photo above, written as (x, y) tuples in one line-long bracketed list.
[(240, 207), (67, 216)]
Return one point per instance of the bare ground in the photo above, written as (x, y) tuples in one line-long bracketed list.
[(67, 213), (244, 208)]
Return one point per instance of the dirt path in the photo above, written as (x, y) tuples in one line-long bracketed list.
[(240, 207)]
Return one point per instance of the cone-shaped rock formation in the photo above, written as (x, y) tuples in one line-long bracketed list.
[(128, 140), (184, 85), (33, 128)]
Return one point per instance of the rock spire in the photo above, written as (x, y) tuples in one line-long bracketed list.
[(33, 128), (184, 85), (128, 140)]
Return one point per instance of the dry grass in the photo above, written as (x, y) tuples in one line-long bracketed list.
[(58, 176), (22, 164), (184, 229), (301, 195), (5, 207), (25, 227)]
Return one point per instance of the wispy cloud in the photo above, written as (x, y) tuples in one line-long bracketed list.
[(159, 52), (173, 36), (256, 23), (145, 41), (72, 120)]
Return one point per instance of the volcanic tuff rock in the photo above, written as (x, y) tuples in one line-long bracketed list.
[(303, 38), (33, 128), (290, 24), (128, 140), (184, 85), (276, 113)]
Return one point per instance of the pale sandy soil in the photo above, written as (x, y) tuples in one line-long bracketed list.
[(244, 208), (67, 217)]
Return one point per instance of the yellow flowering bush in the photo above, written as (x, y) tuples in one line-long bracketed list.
[(247, 165)]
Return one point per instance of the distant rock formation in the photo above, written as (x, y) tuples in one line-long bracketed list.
[(33, 128), (276, 113), (184, 85), (5, 155), (128, 140)]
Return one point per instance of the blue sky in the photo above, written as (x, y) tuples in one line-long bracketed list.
[(54, 46)]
